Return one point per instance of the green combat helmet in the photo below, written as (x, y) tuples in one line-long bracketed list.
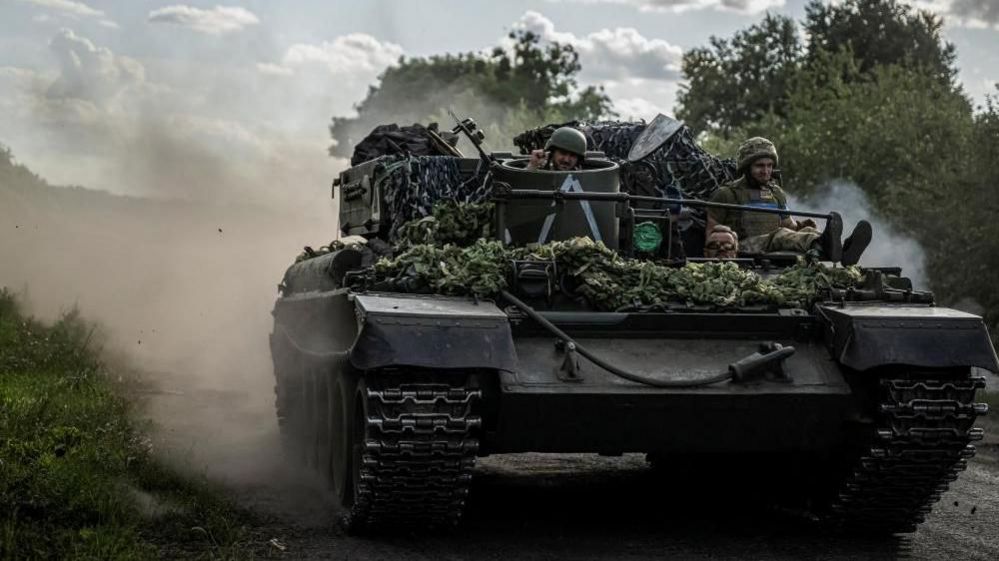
[(568, 139), (754, 149)]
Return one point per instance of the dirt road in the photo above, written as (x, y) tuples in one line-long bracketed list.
[(535, 506)]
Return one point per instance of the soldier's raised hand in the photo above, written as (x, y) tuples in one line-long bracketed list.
[(538, 159)]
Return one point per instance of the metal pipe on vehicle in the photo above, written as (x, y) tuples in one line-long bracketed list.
[(556, 195), (619, 372)]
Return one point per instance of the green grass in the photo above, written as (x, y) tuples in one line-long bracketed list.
[(992, 398), (76, 474)]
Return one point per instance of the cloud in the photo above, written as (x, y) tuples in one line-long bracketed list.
[(964, 13), (15, 74), (274, 69), (68, 7), (201, 131), (639, 74), (984, 13), (678, 6), (90, 73), (218, 20), (326, 78), (634, 108), (637, 98), (616, 53), (15, 97), (71, 9), (348, 54)]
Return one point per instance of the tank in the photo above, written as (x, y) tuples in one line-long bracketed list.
[(865, 397)]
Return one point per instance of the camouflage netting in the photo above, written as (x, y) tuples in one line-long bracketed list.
[(613, 138), (412, 185), (679, 167), (601, 276), (392, 140), (421, 194)]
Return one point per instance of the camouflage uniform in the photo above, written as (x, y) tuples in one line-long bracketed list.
[(759, 232), (782, 239)]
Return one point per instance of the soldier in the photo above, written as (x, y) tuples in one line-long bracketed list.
[(721, 243), (761, 232), (564, 151)]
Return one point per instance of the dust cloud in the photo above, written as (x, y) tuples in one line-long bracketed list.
[(183, 290), (888, 248)]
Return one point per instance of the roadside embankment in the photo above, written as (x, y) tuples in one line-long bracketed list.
[(77, 476)]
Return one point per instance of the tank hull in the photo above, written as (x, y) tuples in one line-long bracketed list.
[(532, 406), (868, 393), (601, 413), (393, 396)]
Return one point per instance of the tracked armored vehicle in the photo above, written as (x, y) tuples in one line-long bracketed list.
[(392, 391)]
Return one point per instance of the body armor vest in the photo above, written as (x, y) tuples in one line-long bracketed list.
[(748, 224)]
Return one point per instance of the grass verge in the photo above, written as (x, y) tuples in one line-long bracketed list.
[(992, 417), (992, 398), (77, 480)]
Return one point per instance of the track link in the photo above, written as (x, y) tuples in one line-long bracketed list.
[(919, 448), (418, 455)]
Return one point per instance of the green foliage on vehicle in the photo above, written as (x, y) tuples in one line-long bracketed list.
[(608, 281), (450, 223)]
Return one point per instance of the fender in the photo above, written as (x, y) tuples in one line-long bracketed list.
[(865, 336), (431, 331)]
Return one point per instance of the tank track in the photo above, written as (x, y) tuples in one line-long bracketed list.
[(418, 456), (920, 447)]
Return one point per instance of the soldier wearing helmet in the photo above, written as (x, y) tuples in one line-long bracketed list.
[(564, 151), (761, 232)]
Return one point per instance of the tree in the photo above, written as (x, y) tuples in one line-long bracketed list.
[(734, 82), (916, 148), (14, 175), (898, 133), (970, 266), (881, 32), (530, 81)]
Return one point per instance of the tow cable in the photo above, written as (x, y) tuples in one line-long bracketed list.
[(750, 367)]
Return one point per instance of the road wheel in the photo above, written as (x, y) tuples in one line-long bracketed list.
[(340, 417), (307, 419), (288, 393), (356, 501), (320, 444)]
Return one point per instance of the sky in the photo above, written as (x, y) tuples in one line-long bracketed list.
[(232, 101)]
